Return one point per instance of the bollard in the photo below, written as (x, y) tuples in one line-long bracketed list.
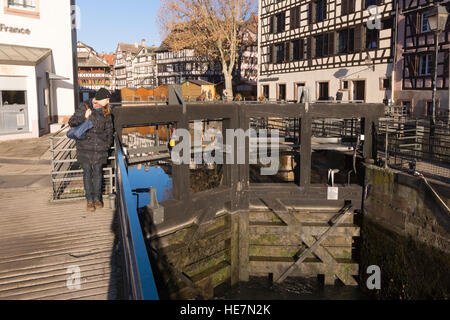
[(112, 201)]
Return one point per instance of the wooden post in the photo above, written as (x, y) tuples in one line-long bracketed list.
[(368, 138), (180, 173), (234, 248), (305, 152), (244, 263)]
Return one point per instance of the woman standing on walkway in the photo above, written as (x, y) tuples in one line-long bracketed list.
[(92, 153)]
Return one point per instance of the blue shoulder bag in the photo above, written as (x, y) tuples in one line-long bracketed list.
[(79, 133)]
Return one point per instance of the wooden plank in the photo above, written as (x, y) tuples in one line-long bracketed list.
[(305, 152), (40, 241), (234, 250), (244, 275), (344, 213), (305, 269)]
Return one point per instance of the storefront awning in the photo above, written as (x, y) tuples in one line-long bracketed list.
[(22, 56)]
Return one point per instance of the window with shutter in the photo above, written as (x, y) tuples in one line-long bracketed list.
[(286, 47), (271, 24), (325, 44), (302, 49), (344, 7), (411, 65), (295, 45), (372, 38), (319, 45), (311, 13), (346, 41), (270, 54), (280, 53), (292, 19), (331, 43), (351, 40), (310, 48), (370, 3), (295, 18), (359, 42), (321, 10)]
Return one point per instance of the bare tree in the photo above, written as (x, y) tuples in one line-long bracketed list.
[(212, 28)]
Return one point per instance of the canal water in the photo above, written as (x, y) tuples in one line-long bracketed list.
[(256, 288), (156, 177)]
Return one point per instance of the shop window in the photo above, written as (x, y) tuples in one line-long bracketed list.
[(13, 97)]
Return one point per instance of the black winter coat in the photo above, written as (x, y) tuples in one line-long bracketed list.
[(95, 148)]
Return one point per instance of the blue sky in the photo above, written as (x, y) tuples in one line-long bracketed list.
[(104, 23)]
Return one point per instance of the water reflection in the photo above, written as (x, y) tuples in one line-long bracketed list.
[(146, 177)]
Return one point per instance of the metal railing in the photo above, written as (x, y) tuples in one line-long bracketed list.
[(138, 271), (405, 144), (66, 173)]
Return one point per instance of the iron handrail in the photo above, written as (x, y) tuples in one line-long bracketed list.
[(138, 269)]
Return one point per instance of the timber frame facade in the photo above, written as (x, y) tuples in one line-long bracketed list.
[(415, 59), (300, 37)]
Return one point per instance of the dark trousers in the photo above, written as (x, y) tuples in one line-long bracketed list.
[(93, 179)]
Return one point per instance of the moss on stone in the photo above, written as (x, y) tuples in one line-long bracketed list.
[(410, 270)]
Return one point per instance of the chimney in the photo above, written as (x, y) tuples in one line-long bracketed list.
[(136, 45), (143, 43)]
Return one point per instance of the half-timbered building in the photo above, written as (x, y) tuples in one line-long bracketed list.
[(93, 71), (176, 67), (415, 60), (144, 67), (338, 49)]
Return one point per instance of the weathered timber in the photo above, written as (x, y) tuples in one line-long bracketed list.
[(234, 249), (244, 274), (345, 211)]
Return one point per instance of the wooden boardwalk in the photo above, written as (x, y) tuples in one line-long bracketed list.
[(40, 240)]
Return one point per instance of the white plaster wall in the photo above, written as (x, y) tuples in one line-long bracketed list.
[(54, 31), (373, 92)]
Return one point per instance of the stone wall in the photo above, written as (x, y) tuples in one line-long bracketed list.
[(405, 205), (406, 233)]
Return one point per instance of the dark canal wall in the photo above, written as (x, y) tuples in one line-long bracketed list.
[(406, 233)]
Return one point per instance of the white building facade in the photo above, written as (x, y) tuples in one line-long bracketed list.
[(144, 66), (37, 66), (327, 46)]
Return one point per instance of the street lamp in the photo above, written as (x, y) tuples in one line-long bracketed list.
[(437, 20)]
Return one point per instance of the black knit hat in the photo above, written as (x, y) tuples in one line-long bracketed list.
[(102, 94)]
